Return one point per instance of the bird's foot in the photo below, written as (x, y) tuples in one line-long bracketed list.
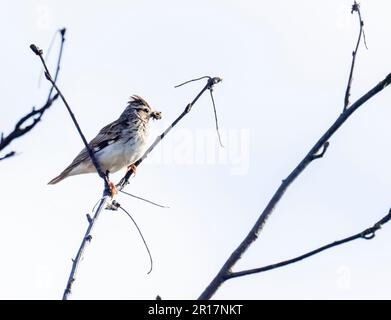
[(113, 189), (132, 167)]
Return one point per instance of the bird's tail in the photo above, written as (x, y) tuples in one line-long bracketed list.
[(60, 177)]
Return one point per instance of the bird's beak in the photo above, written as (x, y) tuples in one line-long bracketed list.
[(156, 115)]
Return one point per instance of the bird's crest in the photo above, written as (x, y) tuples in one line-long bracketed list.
[(137, 100)]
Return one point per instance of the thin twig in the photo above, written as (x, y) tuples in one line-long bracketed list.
[(36, 114), (367, 234), (142, 237), (215, 112), (91, 154), (8, 155), (192, 80), (86, 240), (259, 224), (355, 8), (210, 83), (62, 33), (143, 199)]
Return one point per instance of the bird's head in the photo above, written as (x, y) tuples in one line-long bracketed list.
[(142, 109)]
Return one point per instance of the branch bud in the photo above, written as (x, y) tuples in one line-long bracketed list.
[(36, 50)]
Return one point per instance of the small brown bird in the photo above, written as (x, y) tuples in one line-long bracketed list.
[(119, 144)]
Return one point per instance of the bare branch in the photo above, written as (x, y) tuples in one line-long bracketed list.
[(36, 114), (322, 144), (367, 234), (86, 240), (259, 224), (107, 193), (113, 205), (355, 8)]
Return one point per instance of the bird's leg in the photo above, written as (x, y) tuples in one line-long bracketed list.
[(113, 189), (112, 186), (132, 167)]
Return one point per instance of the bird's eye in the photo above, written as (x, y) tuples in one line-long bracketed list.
[(146, 110)]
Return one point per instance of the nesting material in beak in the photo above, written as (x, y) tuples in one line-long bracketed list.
[(156, 115)]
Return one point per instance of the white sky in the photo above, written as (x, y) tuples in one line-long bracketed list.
[(285, 66)]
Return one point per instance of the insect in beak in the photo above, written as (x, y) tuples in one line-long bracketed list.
[(156, 115)]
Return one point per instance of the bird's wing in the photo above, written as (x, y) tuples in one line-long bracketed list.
[(106, 136)]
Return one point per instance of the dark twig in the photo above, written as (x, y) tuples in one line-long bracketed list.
[(8, 155), (39, 53), (36, 114), (148, 201), (367, 234), (355, 8), (211, 82), (311, 155)]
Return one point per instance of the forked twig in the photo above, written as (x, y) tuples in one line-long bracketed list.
[(316, 152), (355, 8), (367, 234), (311, 155), (35, 115), (213, 103)]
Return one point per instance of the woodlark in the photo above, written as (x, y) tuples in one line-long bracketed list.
[(119, 144)]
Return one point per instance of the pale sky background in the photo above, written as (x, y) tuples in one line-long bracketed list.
[(285, 65)]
